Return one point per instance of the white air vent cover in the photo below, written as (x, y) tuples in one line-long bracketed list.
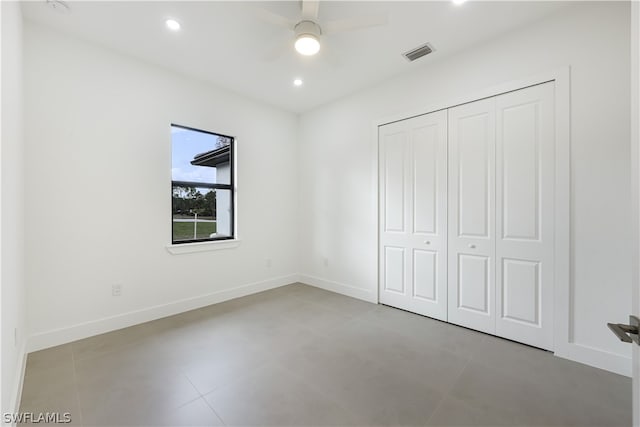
[(418, 52), (59, 6)]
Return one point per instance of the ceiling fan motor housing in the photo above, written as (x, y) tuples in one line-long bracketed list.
[(307, 28)]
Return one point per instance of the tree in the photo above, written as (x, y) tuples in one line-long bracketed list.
[(210, 203), (189, 200)]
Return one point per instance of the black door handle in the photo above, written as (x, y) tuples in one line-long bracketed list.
[(627, 333)]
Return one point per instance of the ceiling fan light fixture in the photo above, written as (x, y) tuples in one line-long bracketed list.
[(307, 38), (307, 44)]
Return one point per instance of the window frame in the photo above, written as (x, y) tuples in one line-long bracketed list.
[(230, 187)]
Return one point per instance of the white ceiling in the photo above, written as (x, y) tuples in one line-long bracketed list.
[(225, 42)]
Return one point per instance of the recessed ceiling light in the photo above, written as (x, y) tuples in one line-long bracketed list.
[(297, 82), (172, 24), (458, 2)]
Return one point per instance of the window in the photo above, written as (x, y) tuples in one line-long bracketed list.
[(202, 199)]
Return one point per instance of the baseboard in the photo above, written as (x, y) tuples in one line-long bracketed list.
[(340, 288), (597, 358), (576, 352), (95, 327), (572, 351), (18, 381)]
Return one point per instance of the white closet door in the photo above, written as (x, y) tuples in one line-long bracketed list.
[(413, 214), (525, 146), (472, 215)]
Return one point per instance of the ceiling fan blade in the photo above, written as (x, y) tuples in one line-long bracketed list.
[(272, 18), (277, 49), (310, 9), (332, 56), (352, 24)]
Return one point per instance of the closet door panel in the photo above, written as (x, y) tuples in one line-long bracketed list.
[(520, 292), (426, 146), (395, 153), (413, 214), (473, 153), (473, 283), (394, 262), (472, 215), (519, 147), (525, 176), (425, 274)]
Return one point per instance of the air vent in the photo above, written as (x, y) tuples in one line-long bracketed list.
[(418, 52), (59, 6)]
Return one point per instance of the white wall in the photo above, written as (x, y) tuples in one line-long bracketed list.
[(98, 162), (11, 200), (337, 205)]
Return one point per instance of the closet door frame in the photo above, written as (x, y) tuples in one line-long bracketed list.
[(562, 333)]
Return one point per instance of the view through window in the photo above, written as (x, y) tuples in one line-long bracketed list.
[(202, 205)]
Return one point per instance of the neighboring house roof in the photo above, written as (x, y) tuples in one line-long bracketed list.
[(212, 158)]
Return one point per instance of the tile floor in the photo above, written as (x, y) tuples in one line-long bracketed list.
[(302, 356)]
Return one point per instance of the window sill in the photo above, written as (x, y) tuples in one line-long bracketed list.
[(188, 248)]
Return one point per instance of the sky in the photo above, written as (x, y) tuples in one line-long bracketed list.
[(185, 144)]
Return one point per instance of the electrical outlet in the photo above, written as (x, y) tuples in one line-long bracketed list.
[(325, 261), (267, 262), (116, 290)]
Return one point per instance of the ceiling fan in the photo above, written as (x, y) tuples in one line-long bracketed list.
[(308, 29)]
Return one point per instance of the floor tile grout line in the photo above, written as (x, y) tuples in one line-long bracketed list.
[(467, 361), (404, 337), (304, 380), (192, 384), (213, 410), (200, 397), (448, 391), (322, 392), (245, 375), (195, 399)]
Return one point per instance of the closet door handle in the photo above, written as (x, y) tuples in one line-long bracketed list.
[(427, 242), (627, 333), (472, 246)]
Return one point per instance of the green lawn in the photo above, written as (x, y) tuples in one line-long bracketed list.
[(184, 230)]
